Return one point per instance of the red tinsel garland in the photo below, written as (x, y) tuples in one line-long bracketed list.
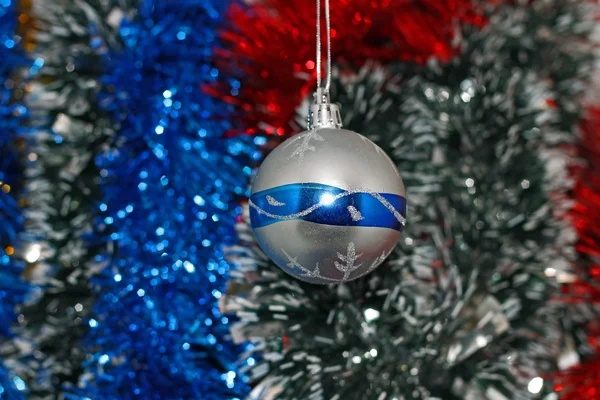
[(585, 214), (582, 382), (587, 191), (271, 47)]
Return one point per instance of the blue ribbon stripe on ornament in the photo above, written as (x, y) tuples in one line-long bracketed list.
[(327, 205)]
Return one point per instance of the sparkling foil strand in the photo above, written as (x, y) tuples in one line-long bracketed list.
[(170, 187)]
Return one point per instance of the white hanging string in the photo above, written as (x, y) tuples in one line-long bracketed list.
[(318, 44), (328, 22), (328, 28)]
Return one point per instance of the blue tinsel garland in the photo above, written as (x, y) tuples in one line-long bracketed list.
[(12, 287), (171, 186)]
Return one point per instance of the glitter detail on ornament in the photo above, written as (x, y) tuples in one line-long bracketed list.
[(272, 201), (304, 144), (349, 262), (356, 215), (377, 261), (293, 263)]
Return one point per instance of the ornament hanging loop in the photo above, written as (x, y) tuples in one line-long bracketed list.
[(322, 113)]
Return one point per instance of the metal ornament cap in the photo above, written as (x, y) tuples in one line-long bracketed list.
[(323, 113), (328, 206)]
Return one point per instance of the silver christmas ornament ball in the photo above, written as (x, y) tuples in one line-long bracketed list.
[(327, 205)]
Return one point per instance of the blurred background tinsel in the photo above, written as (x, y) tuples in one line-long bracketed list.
[(129, 134)]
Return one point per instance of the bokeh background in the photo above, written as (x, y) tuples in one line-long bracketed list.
[(129, 134)]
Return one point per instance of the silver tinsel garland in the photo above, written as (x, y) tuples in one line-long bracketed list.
[(461, 309)]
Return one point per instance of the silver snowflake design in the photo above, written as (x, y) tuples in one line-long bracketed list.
[(378, 261), (307, 273), (305, 144), (349, 259), (346, 264)]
